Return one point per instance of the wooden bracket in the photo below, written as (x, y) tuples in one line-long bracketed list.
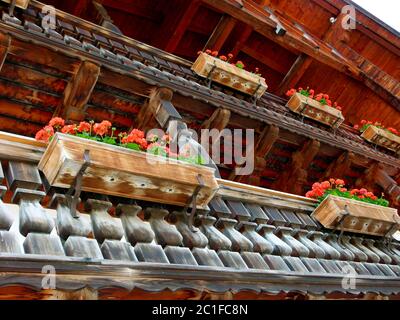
[(76, 186)]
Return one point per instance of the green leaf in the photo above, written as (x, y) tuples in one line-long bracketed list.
[(133, 146)]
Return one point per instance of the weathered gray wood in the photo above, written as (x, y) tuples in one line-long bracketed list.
[(207, 257), (180, 255), (166, 234), (260, 244), (232, 260), (82, 247), (9, 243), (254, 260), (147, 252), (216, 239), (191, 239), (118, 250), (6, 217), (239, 241), (23, 175), (32, 216), (44, 244), (104, 225), (136, 230)]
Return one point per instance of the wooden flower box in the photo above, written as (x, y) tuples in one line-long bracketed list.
[(311, 108), (382, 138), (126, 173), (222, 72), (362, 217)]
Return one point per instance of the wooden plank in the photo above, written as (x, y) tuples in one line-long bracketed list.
[(221, 33), (15, 147), (78, 91), (218, 120), (340, 167), (126, 173), (295, 73), (262, 196)]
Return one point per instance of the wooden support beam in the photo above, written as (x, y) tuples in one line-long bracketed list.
[(221, 33), (183, 24), (218, 120), (5, 42), (340, 167), (262, 147), (266, 141), (294, 177), (78, 91), (146, 118), (104, 18), (295, 73)]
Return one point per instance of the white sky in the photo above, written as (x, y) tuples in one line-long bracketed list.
[(386, 10)]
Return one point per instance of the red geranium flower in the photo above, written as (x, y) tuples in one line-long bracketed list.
[(84, 127), (57, 122), (69, 129)]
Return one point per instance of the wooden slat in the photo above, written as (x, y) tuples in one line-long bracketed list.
[(15, 147)]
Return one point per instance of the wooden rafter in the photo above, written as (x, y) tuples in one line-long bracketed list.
[(182, 26), (221, 33), (78, 91), (295, 73)]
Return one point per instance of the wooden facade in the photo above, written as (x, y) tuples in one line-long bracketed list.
[(120, 60)]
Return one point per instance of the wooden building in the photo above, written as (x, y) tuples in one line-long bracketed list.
[(119, 60)]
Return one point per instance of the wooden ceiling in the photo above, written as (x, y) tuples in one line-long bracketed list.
[(34, 80)]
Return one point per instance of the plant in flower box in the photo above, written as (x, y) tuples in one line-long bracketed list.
[(315, 106), (377, 133), (123, 164), (356, 210), (220, 69)]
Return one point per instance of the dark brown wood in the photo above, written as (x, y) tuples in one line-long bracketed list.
[(78, 91)]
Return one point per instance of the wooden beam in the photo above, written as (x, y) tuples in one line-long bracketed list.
[(294, 177), (183, 24), (218, 120), (295, 73), (78, 91), (262, 147), (245, 35), (340, 167), (221, 33), (266, 141), (5, 42), (146, 117)]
